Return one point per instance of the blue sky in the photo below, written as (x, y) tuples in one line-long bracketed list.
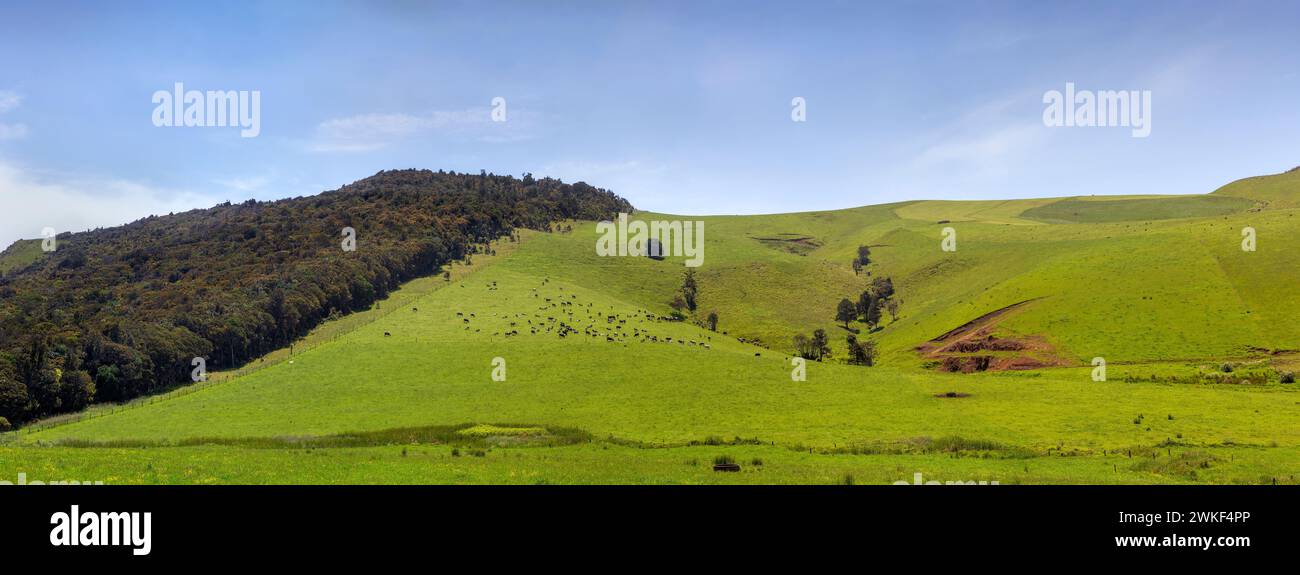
[(680, 107)]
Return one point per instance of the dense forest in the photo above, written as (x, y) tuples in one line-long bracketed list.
[(116, 313)]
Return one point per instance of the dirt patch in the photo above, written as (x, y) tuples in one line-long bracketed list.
[(978, 345), (793, 243)]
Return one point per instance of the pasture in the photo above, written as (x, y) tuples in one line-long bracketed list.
[(1158, 287)]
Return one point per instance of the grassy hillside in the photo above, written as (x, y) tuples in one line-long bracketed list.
[(118, 313), (1157, 286), (19, 255), (1279, 191), (1095, 210), (436, 368), (1130, 291)]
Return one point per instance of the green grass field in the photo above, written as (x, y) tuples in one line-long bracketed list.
[(1159, 287), (19, 254)]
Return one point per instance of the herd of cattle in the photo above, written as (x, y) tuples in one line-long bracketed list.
[(565, 315)]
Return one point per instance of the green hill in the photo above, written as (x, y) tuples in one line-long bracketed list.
[(1278, 191), (1195, 331), (19, 255)]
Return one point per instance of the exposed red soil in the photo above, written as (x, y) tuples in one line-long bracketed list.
[(977, 346)]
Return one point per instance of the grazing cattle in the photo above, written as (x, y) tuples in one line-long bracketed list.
[(386, 334)]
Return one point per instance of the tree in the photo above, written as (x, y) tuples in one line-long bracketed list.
[(14, 402), (76, 390), (820, 345), (803, 346), (689, 289), (846, 312), (869, 352), (866, 301), (712, 321), (882, 287), (677, 303), (892, 306), (873, 314), (864, 255), (861, 353)]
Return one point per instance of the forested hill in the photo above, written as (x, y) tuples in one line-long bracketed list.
[(120, 312)]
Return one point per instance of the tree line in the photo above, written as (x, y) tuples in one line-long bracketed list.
[(116, 313)]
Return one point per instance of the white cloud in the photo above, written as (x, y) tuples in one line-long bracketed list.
[(32, 202), (9, 100), (368, 132), (987, 140), (986, 153)]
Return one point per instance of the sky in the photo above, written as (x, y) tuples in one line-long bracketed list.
[(681, 107)]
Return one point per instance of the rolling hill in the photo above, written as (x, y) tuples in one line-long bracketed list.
[(601, 385)]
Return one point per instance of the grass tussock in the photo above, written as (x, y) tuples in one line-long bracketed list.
[(1185, 464)]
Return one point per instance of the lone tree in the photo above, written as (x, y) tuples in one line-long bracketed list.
[(689, 289), (846, 312), (712, 321), (864, 255), (892, 306)]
